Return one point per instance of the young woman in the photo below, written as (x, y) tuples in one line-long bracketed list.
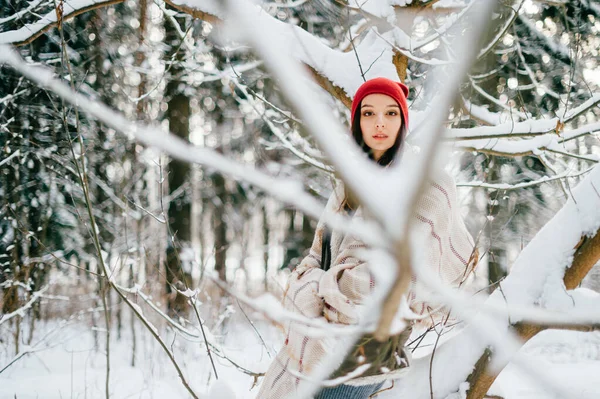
[(379, 124)]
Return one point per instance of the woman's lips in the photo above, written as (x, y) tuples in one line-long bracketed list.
[(380, 136)]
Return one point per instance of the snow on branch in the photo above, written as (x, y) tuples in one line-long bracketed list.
[(558, 50), (584, 301), (249, 99), (11, 156), (531, 75), (529, 127), (512, 148), (480, 114), (510, 187), (340, 68), (483, 93), (507, 24), (575, 112), (23, 309), (23, 12), (29, 32)]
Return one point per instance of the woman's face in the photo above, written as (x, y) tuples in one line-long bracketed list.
[(380, 122)]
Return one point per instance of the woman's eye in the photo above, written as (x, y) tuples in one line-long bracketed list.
[(392, 113), (367, 113)]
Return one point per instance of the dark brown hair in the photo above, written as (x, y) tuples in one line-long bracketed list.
[(349, 203)]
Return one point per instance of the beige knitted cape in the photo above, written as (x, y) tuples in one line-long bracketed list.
[(337, 295)]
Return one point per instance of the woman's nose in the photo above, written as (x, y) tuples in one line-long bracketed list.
[(380, 121)]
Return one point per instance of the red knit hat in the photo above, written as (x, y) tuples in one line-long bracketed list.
[(398, 91)]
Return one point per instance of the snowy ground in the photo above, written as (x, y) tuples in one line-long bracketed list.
[(68, 366)]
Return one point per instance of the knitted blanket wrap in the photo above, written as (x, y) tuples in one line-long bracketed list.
[(338, 294)]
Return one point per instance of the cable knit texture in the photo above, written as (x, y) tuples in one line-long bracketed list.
[(338, 294)]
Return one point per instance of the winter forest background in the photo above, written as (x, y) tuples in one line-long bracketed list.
[(173, 293)]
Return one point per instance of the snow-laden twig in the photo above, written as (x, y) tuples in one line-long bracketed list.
[(21, 13), (509, 21), (23, 309), (575, 112), (409, 54), (558, 50), (480, 114), (449, 24), (591, 128), (529, 127), (31, 31), (310, 49), (484, 94), (507, 147), (509, 187), (11, 156), (531, 75), (280, 135), (12, 96)]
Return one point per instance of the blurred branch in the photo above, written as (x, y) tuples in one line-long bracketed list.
[(275, 130), (496, 101), (530, 73), (557, 50), (501, 32)]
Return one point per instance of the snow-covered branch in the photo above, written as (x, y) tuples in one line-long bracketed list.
[(23, 309), (11, 156), (29, 32), (509, 187), (484, 94), (557, 50), (507, 24), (507, 147), (278, 133), (526, 128)]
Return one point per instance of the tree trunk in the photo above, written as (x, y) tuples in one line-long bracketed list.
[(220, 227), (265, 237), (179, 212)]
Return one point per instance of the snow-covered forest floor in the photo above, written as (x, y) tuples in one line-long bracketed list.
[(68, 364)]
